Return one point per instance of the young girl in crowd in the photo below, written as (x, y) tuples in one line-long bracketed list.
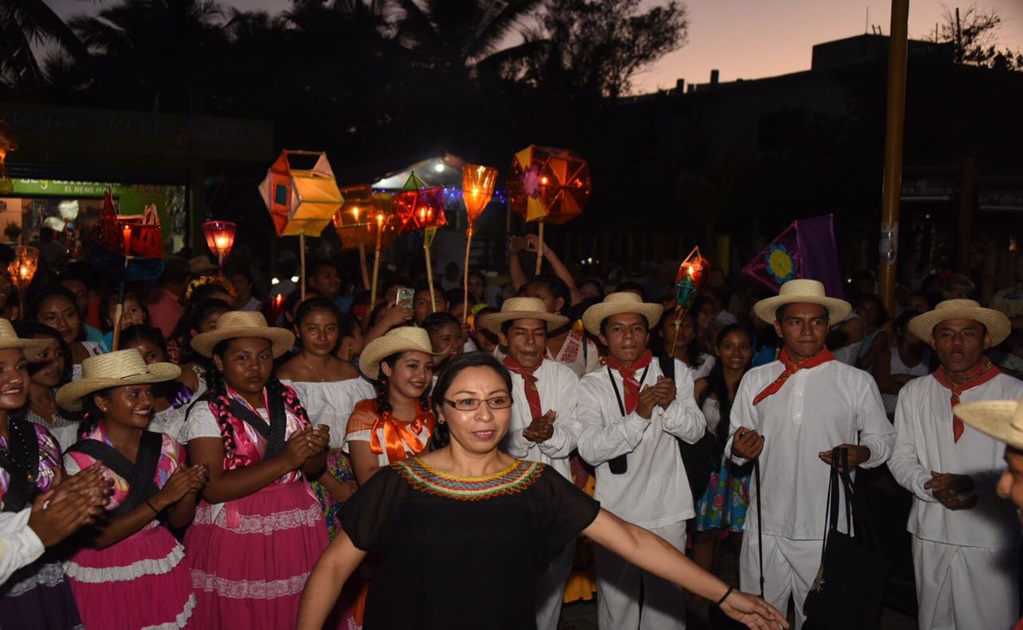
[(55, 307), (329, 388), (200, 318), (399, 421), (133, 313), (875, 340), (132, 559), (687, 349), (258, 529), (445, 337), (170, 398), (36, 596), (899, 363), (725, 502), (49, 369)]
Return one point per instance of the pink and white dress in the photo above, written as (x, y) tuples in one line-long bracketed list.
[(250, 557), (141, 581)]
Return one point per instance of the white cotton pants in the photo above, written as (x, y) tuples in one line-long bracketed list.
[(618, 590), (550, 588), (790, 567), (965, 588)]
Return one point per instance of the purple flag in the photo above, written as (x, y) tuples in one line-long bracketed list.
[(806, 249)]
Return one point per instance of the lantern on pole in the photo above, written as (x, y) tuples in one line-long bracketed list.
[(477, 189), (22, 269), (548, 185), (421, 207), (689, 281), (220, 239), (301, 193), (366, 219)]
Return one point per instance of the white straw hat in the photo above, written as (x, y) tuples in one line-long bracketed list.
[(403, 339), (802, 291), (521, 308), (1001, 419), (235, 324), (9, 339), (617, 303), (996, 322), (113, 369)]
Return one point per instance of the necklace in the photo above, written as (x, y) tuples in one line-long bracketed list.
[(51, 408), (322, 377), (15, 433)]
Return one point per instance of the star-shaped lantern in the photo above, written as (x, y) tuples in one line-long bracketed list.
[(301, 193), (548, 185)]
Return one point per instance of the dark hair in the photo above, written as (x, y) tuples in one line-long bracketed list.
[(693, 352), (318, 304), (435, 321), (110, 299), (190, 321), (595, 282), (604, 323), (320, 264), (207, 291), (142, 332), (28, 330), (49, 292), (441, 437), (883, 316), (629, 285), (716, 383), (382, 385), (901, 322), (557, 287), (779, 313), (91, 413)]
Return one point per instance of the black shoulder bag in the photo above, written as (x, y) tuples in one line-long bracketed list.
[(849, 589), (619, 465), (139, 475), (717, 619), (21, 461), (700, 458)]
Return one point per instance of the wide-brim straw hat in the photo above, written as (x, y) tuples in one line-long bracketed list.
[(802, 291), (113, 369), (1001, 419), (522, 308), (617, 303), (9, 339), (237, 324), (996, 322), (404, 339)]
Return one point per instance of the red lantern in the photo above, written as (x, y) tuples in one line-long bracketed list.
[(421, 209), (219, 238)]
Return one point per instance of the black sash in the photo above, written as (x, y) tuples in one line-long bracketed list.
[(139, 475), (21, 461), (274, 432), (620, 465)]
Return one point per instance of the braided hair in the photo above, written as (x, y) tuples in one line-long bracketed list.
[(382, 386), (91, 413)]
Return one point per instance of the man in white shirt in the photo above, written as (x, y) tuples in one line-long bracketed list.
[(790, 414), (631, 416), (965, 540), (543, 425)]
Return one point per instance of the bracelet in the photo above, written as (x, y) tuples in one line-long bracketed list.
[(725, 596), (157, 512)]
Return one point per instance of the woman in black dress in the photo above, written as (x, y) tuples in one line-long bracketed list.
[(464, 530)]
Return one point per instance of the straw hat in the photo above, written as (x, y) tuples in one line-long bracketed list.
[(997, 324), (113, 369), (617, 303), (9, 339), (802, 291), (521, 308), (235, 324), (1001, 419), (402, 339)]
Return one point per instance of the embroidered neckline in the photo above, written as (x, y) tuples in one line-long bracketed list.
[(512, 480)]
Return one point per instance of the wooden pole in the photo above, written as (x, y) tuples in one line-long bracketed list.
[(376, 269), (465, 273), (429, 278), (301, 257), (892, 186), (539, 252), (362, 266)]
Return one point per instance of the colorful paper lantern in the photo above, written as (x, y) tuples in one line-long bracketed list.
[(23, 267), (141, 234), (477, 189), (357, 219), (419, 206), (690, 279), (301, 193), (548, 185), (219, 238)]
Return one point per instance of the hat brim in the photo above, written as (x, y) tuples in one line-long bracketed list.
[(996, 323), (493, 321), (599, 312), (29, 347), (280, 339), (381, 348), (70, 396), (994, 418), (767, 308)]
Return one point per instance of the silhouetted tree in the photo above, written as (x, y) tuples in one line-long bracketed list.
[(25, 24)]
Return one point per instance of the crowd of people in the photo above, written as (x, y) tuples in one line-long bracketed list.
[(203, 455)]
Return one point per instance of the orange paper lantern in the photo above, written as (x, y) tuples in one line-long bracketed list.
[(477, 188), (219, 238), (548, 185), (362, 211), (301, 193)]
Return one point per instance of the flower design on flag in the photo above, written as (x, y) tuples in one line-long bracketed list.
[(780, 265), (531, 181)]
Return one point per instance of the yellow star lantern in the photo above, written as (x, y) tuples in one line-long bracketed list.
[(301, 193)]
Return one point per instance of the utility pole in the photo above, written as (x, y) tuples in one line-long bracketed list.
[(895, 122)]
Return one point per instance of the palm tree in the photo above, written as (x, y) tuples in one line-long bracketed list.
[(24, 24)]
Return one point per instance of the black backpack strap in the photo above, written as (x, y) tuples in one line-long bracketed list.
[(21, 461), (139, 475), (667, 366), (274, 431)]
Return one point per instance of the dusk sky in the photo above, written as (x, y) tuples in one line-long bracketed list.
[(745, 39)]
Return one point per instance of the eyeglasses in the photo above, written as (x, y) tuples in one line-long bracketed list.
[(472, 404)]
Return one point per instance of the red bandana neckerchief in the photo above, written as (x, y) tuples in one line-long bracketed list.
[(399, 433), (532, 393), (629, 382), (975, 376), (791, 368)]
